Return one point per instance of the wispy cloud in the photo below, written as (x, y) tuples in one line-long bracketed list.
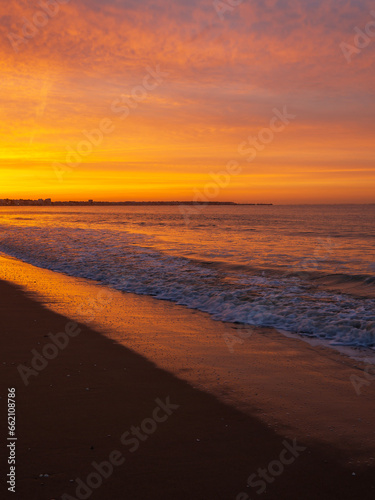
[(224, 79)]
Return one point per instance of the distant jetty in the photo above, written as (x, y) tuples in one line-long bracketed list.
[(50, 203)]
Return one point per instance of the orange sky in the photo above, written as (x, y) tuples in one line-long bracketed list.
[(91, 64)]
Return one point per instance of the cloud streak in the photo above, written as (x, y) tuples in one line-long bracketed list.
[(224, 78)]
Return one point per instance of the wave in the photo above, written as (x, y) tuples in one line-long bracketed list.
[(233, 293)]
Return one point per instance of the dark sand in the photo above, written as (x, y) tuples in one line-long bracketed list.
[(205, 450)]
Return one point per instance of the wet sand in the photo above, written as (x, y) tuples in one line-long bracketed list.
[(235, 408)]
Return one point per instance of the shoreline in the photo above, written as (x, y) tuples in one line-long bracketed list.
[(214, 356), (330, 283), (269, 389), (49, 203), (205, 449)]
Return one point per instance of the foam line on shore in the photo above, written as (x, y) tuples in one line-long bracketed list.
[(265, 372)]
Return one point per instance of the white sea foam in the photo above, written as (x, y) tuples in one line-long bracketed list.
[(130, 262)]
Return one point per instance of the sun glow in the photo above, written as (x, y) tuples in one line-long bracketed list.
[(113, 110)]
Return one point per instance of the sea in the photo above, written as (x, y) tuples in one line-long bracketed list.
[(307, 270)]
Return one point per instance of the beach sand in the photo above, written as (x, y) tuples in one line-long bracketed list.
[(235, 409)]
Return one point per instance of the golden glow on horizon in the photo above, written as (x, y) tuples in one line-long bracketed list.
[(219, 88)]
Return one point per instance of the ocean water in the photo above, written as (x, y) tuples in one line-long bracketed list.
[(257, 265)]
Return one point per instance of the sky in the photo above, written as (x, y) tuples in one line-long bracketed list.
[(256, 101)]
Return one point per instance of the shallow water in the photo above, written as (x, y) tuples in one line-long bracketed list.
[(259, 265)]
